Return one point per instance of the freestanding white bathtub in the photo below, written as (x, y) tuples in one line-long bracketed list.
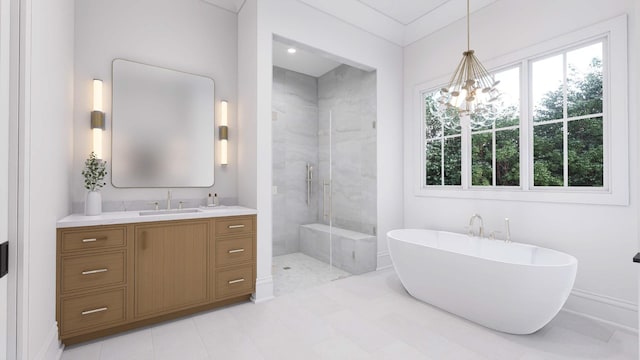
[(510, 287)]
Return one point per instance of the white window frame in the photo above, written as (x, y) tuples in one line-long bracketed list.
[(615, 190)]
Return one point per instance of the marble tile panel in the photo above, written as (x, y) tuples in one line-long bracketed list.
[(295, 140)]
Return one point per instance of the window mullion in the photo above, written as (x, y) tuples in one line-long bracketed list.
[(465, 149), (565, 128), (526, 127), (493, 156), (442, 175)]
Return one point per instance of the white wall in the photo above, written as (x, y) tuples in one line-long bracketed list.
[(46, 116), (187, 35), (5, 67), (301, 23), (247, 93), (603, 238)]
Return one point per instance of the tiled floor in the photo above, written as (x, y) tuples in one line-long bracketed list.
[(360, 317), (297, 271)]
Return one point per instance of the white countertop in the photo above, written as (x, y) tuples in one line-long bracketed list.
[(127, 217)]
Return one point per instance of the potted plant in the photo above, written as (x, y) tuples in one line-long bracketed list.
[(94, 173)]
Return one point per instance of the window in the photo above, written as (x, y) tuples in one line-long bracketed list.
[(567, 91), (495, 141), (443, 144), (560, 133)]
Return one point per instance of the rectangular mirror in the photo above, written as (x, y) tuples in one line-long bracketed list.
[(163, 127)]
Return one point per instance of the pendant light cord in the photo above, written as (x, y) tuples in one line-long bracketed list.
[(468, 29)]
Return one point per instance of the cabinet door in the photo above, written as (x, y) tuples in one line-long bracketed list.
[(170, 267)]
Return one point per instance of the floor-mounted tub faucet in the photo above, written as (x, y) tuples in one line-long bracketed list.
[(471, 221), (506, 223)]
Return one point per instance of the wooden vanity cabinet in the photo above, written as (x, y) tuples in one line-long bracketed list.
[(112, 278), (92, 283), (170, 266), (233, 255)]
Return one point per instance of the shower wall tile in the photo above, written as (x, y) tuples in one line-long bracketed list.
[(295, 143), (348, 95)]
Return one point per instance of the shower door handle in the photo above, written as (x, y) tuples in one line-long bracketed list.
[(309, 179), (326, 184)]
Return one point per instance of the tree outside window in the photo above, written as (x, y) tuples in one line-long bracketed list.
[(568, 118)]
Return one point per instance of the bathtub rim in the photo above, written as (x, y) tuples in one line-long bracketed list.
[(571, 260)]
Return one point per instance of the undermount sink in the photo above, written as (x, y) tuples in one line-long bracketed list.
[(169, 212)]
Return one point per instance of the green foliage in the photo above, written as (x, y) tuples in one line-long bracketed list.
[(94, 173), (482, 159), (548, 168), (434, 162), (508, 157), (585, 155), (453, 161)]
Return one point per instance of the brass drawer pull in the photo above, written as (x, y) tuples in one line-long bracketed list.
[(236, 226), (236, 281), (94, 311), (236, 251), (89, 240), (89, 272)]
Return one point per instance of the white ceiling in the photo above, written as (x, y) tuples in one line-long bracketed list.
[(404, 11), (231, 5), (399, 21), (304, 61)]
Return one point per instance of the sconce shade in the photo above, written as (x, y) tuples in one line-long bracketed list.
[(223, 113), (223, 132), (97, 142), (97, 95), (223, 152), (97, 118)]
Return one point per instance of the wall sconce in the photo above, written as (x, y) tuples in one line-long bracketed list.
[(97, 118), (223, 132)]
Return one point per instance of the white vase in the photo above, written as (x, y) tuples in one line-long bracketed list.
[(93, 203)]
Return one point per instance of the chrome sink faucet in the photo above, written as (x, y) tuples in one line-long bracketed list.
[(168, 199), (471, 221)]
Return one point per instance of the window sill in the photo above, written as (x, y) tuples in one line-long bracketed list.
[(573, 196)]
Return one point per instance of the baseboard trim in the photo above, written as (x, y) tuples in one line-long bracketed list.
[(615, 312), (264, 290), (384, 261), (52, 348), (603, 321)]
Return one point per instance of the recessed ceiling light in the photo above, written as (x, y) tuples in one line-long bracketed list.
[(291, 50)]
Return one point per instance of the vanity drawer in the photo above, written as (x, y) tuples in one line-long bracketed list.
[(234, 251), (93, 311), (237, 281), (89, 271), (88, 239), (235, 225)]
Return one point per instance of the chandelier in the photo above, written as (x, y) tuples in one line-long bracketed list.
[(472, 89)]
